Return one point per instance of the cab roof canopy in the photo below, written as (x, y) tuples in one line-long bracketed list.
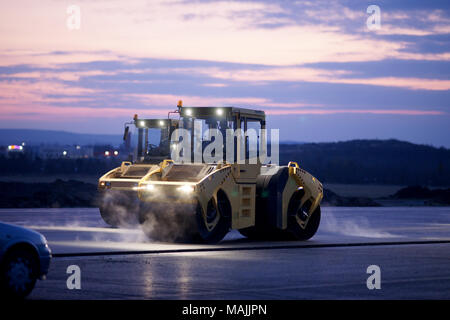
[(222, 113)]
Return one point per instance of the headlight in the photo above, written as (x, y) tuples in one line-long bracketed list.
[(186, 189), (144, 187)]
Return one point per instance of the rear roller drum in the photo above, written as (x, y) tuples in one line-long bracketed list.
[(297, 215)]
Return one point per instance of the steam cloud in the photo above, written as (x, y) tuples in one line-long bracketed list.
[(163, 220), (355, 226)]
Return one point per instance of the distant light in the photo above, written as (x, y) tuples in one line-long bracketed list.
[(161, 123), (78, 147), (64, 153), (107, 153), (23, 144), (142, 123), (116, 153), (188, 112), (219, 112), (15, 147)]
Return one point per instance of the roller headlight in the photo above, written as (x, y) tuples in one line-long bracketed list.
[(145, 187), (186, 189)]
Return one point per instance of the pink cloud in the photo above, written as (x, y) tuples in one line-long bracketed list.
[(50, 113), (357, 111), (74, 113), (22, 99), (213, 31), (324, 76)]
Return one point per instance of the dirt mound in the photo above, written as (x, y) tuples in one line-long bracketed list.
[(332, 199), (47, 195), (431, 196)]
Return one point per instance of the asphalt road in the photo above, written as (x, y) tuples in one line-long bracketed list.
[(250, 270)]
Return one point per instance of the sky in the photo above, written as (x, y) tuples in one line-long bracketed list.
[(317, 69)]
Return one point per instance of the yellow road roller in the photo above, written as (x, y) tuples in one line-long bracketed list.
[(216, 179)]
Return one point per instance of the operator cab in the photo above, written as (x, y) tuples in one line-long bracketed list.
[(153, 139), (247, 145)]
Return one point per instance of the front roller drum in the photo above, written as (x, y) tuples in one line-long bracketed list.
[(119, 208), (178, 222), (169, 222)]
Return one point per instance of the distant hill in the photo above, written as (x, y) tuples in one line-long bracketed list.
[(372, 161), (36, 137), (355, 162)]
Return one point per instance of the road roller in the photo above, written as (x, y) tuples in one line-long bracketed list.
[(217, 179)]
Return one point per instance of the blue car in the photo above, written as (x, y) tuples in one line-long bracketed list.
[(24, 258)]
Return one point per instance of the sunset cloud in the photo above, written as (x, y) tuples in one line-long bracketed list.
[(231, 31), (293, 59)]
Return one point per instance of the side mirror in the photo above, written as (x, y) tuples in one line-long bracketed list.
[(125, 133)]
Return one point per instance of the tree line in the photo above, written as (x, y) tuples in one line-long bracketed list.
[(356, 161)]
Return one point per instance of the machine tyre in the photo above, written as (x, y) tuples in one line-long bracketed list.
[(218, 215)]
